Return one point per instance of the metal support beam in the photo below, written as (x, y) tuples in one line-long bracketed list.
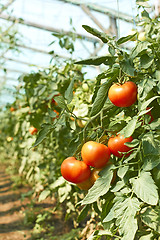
[(47, 28), (25, 63), (6, 5), (95, 20), (102, 9), (37, 50)]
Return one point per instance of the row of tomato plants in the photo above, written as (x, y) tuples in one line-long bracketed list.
[(102, 136)]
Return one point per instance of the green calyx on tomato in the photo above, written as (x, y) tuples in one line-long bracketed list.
[(95, 154), (117, 145), (123, 95), (75, 171)]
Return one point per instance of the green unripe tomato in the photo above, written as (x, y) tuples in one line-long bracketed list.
[(85, 87)]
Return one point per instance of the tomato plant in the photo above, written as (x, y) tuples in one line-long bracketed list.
[(117, 145), (123, 95), (95, 154), (75, 171)]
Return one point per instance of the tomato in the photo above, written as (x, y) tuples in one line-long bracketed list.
[(95, 154), (9, 139), (123, 95), (85, 185), (85, 87), (75, 171), (142, 36), (56, 115), (116, 145), (33, 130), (95, 174), (12, 109)]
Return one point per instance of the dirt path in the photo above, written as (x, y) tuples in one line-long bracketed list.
[(11, 215)]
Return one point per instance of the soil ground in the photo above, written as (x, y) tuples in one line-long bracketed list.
[(11, 210)]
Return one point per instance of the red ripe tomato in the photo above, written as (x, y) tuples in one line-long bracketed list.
[(116, 145), (33, 130), (95, 154), (75, 171), (85, 185), (123, 95)]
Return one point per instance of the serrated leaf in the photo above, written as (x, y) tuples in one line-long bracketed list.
[(61, 103), (140, 48), (122, 171), (124, 211), (150, 162), (145, 104), (43, 195), (51, 113), (101, 186), (151, 218), (145, 188), (46, 128), (146, 61), (149, 145), (103, 36), (97, 60), (129, 129), (127, 67), (69, 91), (59, 182), (119, 185), (144, 112), (101, 97)]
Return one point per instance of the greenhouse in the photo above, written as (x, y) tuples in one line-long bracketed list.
[(80, 119)]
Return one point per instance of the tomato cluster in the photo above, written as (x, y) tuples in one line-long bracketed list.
[(95, 155)]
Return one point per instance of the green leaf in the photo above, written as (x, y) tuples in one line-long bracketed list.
[(126, 39), (134, 143), (145, 104), (51, 113), (119, 185), (59, 182), (149, 145), (127, 67), (124, 211), (140, 48), (83, 213), (122, 171), (107, 60), (69, 91), (46, 128), (129, 129), (147, 237), (151, 152), (43, 195), (61, 103), (146, 61), (103, 36), (145, 188), (101, 97), (151, 218), (101, 186)]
